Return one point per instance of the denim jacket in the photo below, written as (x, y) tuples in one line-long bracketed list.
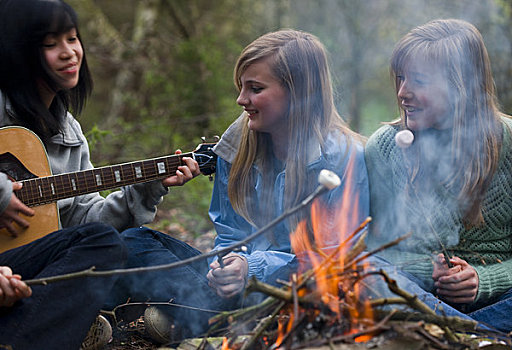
[(67, 152), (264, 256)]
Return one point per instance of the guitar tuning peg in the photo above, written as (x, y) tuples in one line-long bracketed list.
[(216, 138), (203, 138)]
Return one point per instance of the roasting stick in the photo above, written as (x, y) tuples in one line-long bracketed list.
[(404, 139), (436, 235), (327, 179)]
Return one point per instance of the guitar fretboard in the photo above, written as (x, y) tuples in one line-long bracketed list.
[(49, 189)]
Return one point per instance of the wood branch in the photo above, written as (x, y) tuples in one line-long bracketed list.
[(414, 302), (381, 248), (91, 272), (253, 285), (295, 295), (236, 314), (387, 301), (456, 323), (262, 326)]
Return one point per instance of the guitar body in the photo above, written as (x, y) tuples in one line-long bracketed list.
[(28, 149)]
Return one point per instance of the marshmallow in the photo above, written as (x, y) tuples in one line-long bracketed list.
[(404, 138), (328, 179)]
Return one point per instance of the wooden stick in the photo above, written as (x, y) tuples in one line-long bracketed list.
[(413, 301), (91, 272), (381, 248), (454, 322), (235, 314), (262, 326)]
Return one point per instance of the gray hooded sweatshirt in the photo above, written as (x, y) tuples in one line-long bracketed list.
[(67, 152)]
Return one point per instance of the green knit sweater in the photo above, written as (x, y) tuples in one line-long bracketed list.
[(430, 213)]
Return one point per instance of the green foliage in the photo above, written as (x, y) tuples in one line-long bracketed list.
[(95, 135)]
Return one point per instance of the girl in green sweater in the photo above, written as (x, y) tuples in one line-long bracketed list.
[(448, 179)]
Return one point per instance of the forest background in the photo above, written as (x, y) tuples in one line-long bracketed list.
[(163, 72)]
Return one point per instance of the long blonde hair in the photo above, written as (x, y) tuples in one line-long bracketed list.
[(299, 62), (476, 135)]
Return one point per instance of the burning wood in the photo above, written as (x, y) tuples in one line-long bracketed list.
[(322, 305)]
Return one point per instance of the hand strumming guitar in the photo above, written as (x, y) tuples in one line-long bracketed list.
[(11, 214)]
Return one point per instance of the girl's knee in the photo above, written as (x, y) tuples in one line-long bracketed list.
[(137, 232)]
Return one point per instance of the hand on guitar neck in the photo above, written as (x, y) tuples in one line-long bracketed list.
[(11, 213), (183, 173)]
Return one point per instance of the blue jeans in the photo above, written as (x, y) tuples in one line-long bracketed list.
[(186, 285), (494, 315), (498, 314), (58, 315)]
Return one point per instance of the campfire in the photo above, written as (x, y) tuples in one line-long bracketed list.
[(323, 305)]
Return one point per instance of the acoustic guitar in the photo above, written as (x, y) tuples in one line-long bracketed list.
[(24, 159)]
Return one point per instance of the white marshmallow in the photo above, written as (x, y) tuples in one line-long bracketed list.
[(404, 138), (328, 179)]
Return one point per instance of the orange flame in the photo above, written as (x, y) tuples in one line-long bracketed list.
[(330, 229), (225, 344), (282, 331)]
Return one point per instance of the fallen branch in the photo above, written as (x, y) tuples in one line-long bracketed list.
[(414, 302), (91, 272), (460, 324), (381, 248), (262, 326)]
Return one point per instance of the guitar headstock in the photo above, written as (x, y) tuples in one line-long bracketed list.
[(205, 157)]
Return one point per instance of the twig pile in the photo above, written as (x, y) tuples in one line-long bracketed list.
[(304, 314)]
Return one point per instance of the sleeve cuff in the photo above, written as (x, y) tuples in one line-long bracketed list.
[(493, 280), (254, 262)]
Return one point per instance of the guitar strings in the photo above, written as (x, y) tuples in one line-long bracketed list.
[(49, 189)]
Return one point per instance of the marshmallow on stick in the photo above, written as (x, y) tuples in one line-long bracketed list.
[(329, 179)]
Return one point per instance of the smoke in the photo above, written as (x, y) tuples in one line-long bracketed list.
[(360, 36)]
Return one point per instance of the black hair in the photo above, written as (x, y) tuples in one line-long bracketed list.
[(23, 26)]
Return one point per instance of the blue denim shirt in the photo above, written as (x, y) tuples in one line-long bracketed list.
[(266, 257)]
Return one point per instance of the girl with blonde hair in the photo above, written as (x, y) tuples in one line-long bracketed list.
[(268, 161), (270, 157)]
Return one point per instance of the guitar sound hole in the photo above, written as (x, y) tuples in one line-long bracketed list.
[(11, 166)]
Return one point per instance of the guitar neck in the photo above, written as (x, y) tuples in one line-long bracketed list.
[(49, 189)]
